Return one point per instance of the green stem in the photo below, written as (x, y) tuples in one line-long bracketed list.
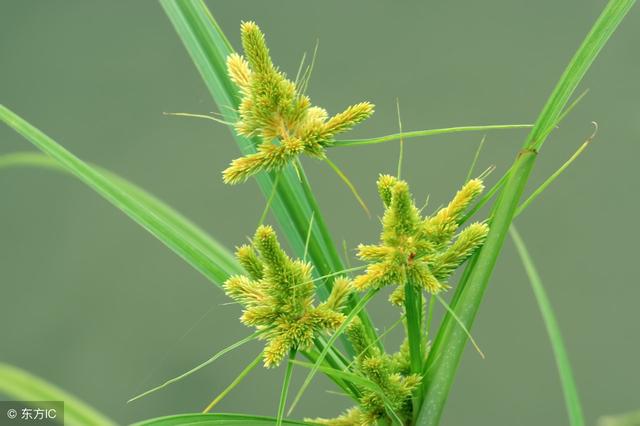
[(285, 387), (330, 361), (429, 132), (209, 48), (432, 303), (413, 309), (441, 367), (336, 263), (362, 303), (535, 194), (234, 383), (439, 379), (202, 365), (485, 198)]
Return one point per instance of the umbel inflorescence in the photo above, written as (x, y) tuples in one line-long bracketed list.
[(415, 252), (390, 372), (421, 251), (277, 292), (277, 295), (277, 111)]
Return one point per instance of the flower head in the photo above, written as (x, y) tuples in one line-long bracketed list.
[(276, 110), (277, 296), (421, 251), (391, 374)]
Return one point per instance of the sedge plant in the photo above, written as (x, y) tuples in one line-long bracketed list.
[(309, 309)]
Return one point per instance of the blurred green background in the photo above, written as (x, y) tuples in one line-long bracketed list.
[(93, 303)]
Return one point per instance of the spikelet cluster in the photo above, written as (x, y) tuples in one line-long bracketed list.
[(421, 251), (277, 295), (392, 375), (274, 109)]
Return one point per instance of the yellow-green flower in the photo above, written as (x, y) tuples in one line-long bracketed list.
[(421, 251), (391, 373), (278, 294), (276, 110)]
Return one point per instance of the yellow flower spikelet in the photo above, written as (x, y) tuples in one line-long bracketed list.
[(421, 251), (277, 111), (277, 296)]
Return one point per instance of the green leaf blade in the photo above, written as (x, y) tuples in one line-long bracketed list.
[(23, 386), (604, 27), (221, 257), (450, 342), (569, 388), (148, 218), (424, 133), (221, 419)]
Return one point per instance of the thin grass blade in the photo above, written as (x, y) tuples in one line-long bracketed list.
[(286, 383), (358, 381), (222, 259), (626, 419), (253, 364), (307, 381), (200, 366), (429, 132), (152, 219), (350, 185), (414, 313), (221, 419), (451, 341), (475, 159), (569, 388), (489, 194), (20, 385), (461, 324), (535, 194)]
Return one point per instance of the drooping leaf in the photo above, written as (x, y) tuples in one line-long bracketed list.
[(23, 386), (209, 258), (222, 259)]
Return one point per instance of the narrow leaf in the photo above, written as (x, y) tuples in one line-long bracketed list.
[(489, 194), (253, 364), (221, 257), (202, 365), (222, 419), (475, 159), (286, 383), (461, 324), (535, 194), (215, 265), (359, 381), (20, 385), (569, 388), (349, 184), (430, 132), (307, 381), (626, 419), (451, 341), (414, 313)]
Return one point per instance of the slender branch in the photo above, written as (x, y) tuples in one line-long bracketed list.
[(430, 132)]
